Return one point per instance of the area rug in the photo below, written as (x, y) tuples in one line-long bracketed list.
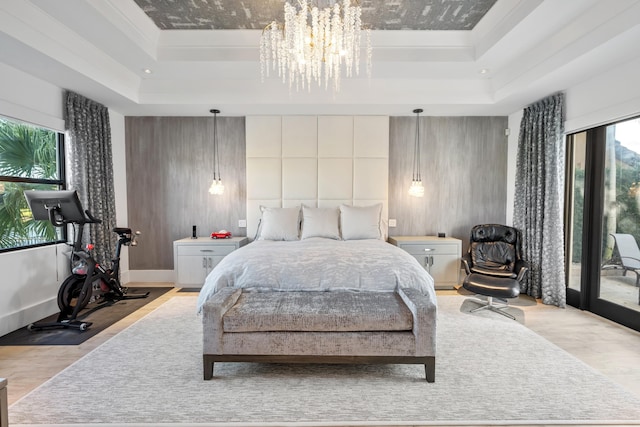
[(489, 370), (101, 317)]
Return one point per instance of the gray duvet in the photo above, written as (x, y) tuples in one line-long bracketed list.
[(318, 264)]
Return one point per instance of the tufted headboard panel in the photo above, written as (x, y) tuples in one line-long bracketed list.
[(321, 161)]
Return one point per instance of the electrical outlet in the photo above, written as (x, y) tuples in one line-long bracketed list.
[(242, 223), (392, 223)]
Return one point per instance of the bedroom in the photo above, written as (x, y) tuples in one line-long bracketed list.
[(32, 90)]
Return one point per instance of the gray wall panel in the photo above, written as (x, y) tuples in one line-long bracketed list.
[(464, 171), (169, 170), (170, 165)]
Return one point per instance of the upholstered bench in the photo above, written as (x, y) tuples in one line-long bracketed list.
[(4, 411), (319, 327)]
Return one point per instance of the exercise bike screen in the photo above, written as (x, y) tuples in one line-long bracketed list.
[(67, 201)]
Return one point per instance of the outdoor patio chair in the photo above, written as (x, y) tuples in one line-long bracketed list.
[(629, 254)]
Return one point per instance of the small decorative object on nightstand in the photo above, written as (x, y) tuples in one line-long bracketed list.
[(193, 259), (222, 234), (440, 256)]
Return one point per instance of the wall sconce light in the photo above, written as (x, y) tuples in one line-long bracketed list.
[(216, 186), (417, 189)]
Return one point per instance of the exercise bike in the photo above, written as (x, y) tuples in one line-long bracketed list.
[(89, 281)]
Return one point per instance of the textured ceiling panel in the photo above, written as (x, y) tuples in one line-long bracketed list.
[(256, 14)]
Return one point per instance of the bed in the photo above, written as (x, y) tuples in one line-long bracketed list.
[(319, 285)]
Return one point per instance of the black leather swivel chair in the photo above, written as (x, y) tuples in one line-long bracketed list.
[(494, 265)]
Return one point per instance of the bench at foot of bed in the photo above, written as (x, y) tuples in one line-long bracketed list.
[(319, 327), (429, 362)]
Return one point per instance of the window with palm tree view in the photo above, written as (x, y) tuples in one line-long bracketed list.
[(31, 158)]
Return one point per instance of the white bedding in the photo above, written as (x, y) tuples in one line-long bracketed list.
[(318, 264)]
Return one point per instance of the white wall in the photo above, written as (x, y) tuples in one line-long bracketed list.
[(27, 98), (611, 96), (120, 183), (31, 277)]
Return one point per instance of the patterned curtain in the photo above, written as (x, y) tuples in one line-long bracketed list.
[(90, 169), (539, 195)]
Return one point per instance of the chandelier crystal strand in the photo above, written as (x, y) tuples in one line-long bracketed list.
[(275, 45), (349, 40), (325, 32), (338, 26), (357, 23), (350, 37), (315, 45)]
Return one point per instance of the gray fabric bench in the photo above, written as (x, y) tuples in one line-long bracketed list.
[(319, 327)]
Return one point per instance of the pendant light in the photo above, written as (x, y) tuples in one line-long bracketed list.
[(417, 189), (216, 186)]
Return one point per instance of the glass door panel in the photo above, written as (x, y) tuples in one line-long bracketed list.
[(603, 221), (575, 205), (621, 216)]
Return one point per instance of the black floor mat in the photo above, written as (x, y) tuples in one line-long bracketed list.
[(101, 318)]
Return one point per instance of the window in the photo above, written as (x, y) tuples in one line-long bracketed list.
[(31, 158)]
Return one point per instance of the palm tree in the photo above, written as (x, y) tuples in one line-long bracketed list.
[(25, 152)]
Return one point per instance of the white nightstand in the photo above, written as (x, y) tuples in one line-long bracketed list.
[(440, 256), (193, 259)]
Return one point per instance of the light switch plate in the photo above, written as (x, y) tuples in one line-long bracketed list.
[(242, 223), (392, 223)]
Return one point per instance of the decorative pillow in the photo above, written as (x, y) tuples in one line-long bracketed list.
[(360, 222), (320, 222), (279, 223)]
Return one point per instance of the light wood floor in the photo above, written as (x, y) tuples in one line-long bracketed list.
[(606, 346)]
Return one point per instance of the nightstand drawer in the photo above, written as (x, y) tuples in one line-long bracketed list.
[(428, 249), (207, 250)]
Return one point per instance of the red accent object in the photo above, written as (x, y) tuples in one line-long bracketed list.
[(221, 235), (90, 246)]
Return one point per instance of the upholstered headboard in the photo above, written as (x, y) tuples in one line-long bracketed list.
[(321, 161)]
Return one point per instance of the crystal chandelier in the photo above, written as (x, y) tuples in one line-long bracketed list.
[(315, 44), (216, 185), (417, 189)]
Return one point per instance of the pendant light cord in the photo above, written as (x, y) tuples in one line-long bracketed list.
[(416, 157)]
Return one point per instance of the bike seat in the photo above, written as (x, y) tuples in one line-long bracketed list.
[(122, 230)]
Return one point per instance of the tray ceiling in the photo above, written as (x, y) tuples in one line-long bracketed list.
[(509, 54), (447, 15)]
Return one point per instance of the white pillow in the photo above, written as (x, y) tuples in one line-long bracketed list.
[(320, 222), (279, 223), (360, 222)]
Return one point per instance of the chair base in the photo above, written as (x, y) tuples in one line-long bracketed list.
[(490, 305)]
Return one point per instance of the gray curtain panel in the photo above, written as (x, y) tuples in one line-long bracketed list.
[(90, 169), (538, 206)]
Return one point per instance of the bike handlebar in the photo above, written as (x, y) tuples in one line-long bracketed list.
[(92, 219)]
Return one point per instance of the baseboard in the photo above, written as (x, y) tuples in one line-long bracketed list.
[(18, 319), (165, 277)]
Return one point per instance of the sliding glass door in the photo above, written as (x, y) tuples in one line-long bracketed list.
[(603, 221)]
